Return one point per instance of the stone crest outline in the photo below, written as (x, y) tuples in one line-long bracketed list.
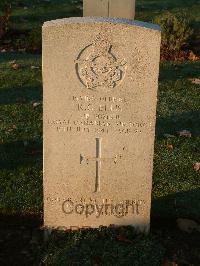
[(97, 67)]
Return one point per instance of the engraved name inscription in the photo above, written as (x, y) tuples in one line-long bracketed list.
[(99, 115)]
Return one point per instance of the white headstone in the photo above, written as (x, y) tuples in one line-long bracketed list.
[(109, 8), (100, 92)]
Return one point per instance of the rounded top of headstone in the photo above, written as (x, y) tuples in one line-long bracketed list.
[(86, 20)]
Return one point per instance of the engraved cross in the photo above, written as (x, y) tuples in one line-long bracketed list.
[(98, 159)]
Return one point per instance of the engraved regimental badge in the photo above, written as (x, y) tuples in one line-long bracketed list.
[(97, 67)]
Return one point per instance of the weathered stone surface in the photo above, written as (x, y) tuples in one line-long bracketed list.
[(100, 92), (122, 9), (95, 8), (109, 8)]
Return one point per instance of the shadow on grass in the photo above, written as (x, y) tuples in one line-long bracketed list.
[(20, 237), (155, 5), (20, 95), (16, 154), (23, 85), (185, 204), (177, 122), (172, 71), (29, 220), (46, 12), (49, 15), (25, 57)]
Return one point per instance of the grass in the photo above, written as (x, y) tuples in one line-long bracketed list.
[(31, 14), (20, 134), (148, 9), (176, 186), (103, 246)]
